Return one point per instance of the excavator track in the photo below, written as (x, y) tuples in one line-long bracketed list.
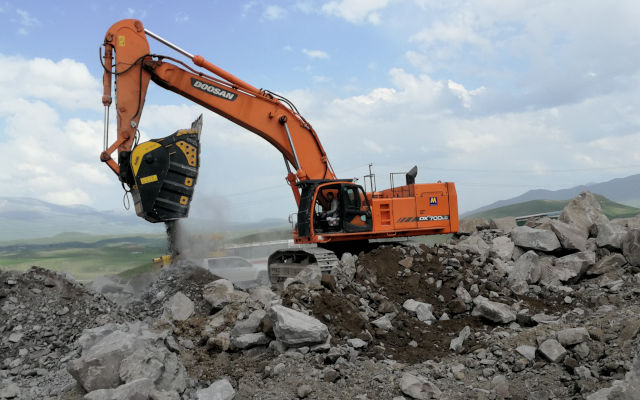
[(287, 263)]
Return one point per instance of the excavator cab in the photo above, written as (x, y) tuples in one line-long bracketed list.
[(333, 207), (162, 173)]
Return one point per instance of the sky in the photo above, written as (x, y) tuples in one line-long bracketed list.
[(498, 97)]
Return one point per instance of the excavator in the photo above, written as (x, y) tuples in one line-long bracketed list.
[(336, 215)]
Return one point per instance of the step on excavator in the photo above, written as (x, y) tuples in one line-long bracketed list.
[(336, 215)]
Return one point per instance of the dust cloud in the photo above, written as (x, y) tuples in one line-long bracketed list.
[(201, 235)]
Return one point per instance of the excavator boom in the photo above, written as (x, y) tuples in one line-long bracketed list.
[(161, 173)]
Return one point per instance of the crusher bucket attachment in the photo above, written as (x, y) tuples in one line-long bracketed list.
[(163, 173)]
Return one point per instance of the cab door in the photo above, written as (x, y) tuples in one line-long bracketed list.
[(356, 213)]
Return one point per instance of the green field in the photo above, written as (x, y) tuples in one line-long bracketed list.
[(83, 256), (611, 209)]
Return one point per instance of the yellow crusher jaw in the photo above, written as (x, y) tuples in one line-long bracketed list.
[(162, 174)]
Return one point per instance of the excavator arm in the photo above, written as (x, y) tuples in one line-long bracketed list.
[(127, 59)]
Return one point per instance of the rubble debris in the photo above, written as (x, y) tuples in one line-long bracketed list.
[(491, 318)]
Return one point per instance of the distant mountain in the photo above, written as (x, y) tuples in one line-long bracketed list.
[(609, 208), (29, 218), (621, 190)]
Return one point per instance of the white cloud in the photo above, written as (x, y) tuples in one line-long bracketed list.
[(26, 21), (273, 13), (459, 29), (247, 7), (182, 17), (356, 11), (135, 13), (66, 83), (316, 54)]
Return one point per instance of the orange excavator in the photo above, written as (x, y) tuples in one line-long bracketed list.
[(335, 214)]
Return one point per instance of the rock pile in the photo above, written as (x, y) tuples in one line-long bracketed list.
[(547, 310), (42, 314)]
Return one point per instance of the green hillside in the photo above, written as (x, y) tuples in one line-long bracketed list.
[(610, 209)]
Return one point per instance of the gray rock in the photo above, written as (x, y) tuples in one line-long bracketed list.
[(469, 226), (493, 311), (112, 354), (15, 337), (9, 390), (583, 212), (294, 328), (218, 390), (348, 264), (179, 307), (474, 244), (406, 262), (134, 390), (144, 362), (424, 314), (526, 269), (463, 295), (552, 350), (249, 325), (310, 276), (505, 224), (262, 295), (249, 340), (219, 293), (528, 352), (99, 365), (612, 262), (573, 266), (411, 305), (610, 236), (502, 247), (571, 336), (631, 247), (571, 237), (383, 323), (418, 387), (457, 342), (303, 391), (535, 239), (357, 343), (500, 385)]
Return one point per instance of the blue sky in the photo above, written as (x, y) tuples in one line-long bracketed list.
[(499, 97)]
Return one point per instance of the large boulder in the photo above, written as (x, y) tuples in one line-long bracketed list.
[(610, 236), (134, 390), (219, 293), (535, 239), (631, 247), (505, 224), (474, 244), (294, 328), (115, 355), (99, 365), (570, 268), (584, 212), (502, 247), (179, 307), (526, 268), (469, 226), (571, 237), (608, 263)]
